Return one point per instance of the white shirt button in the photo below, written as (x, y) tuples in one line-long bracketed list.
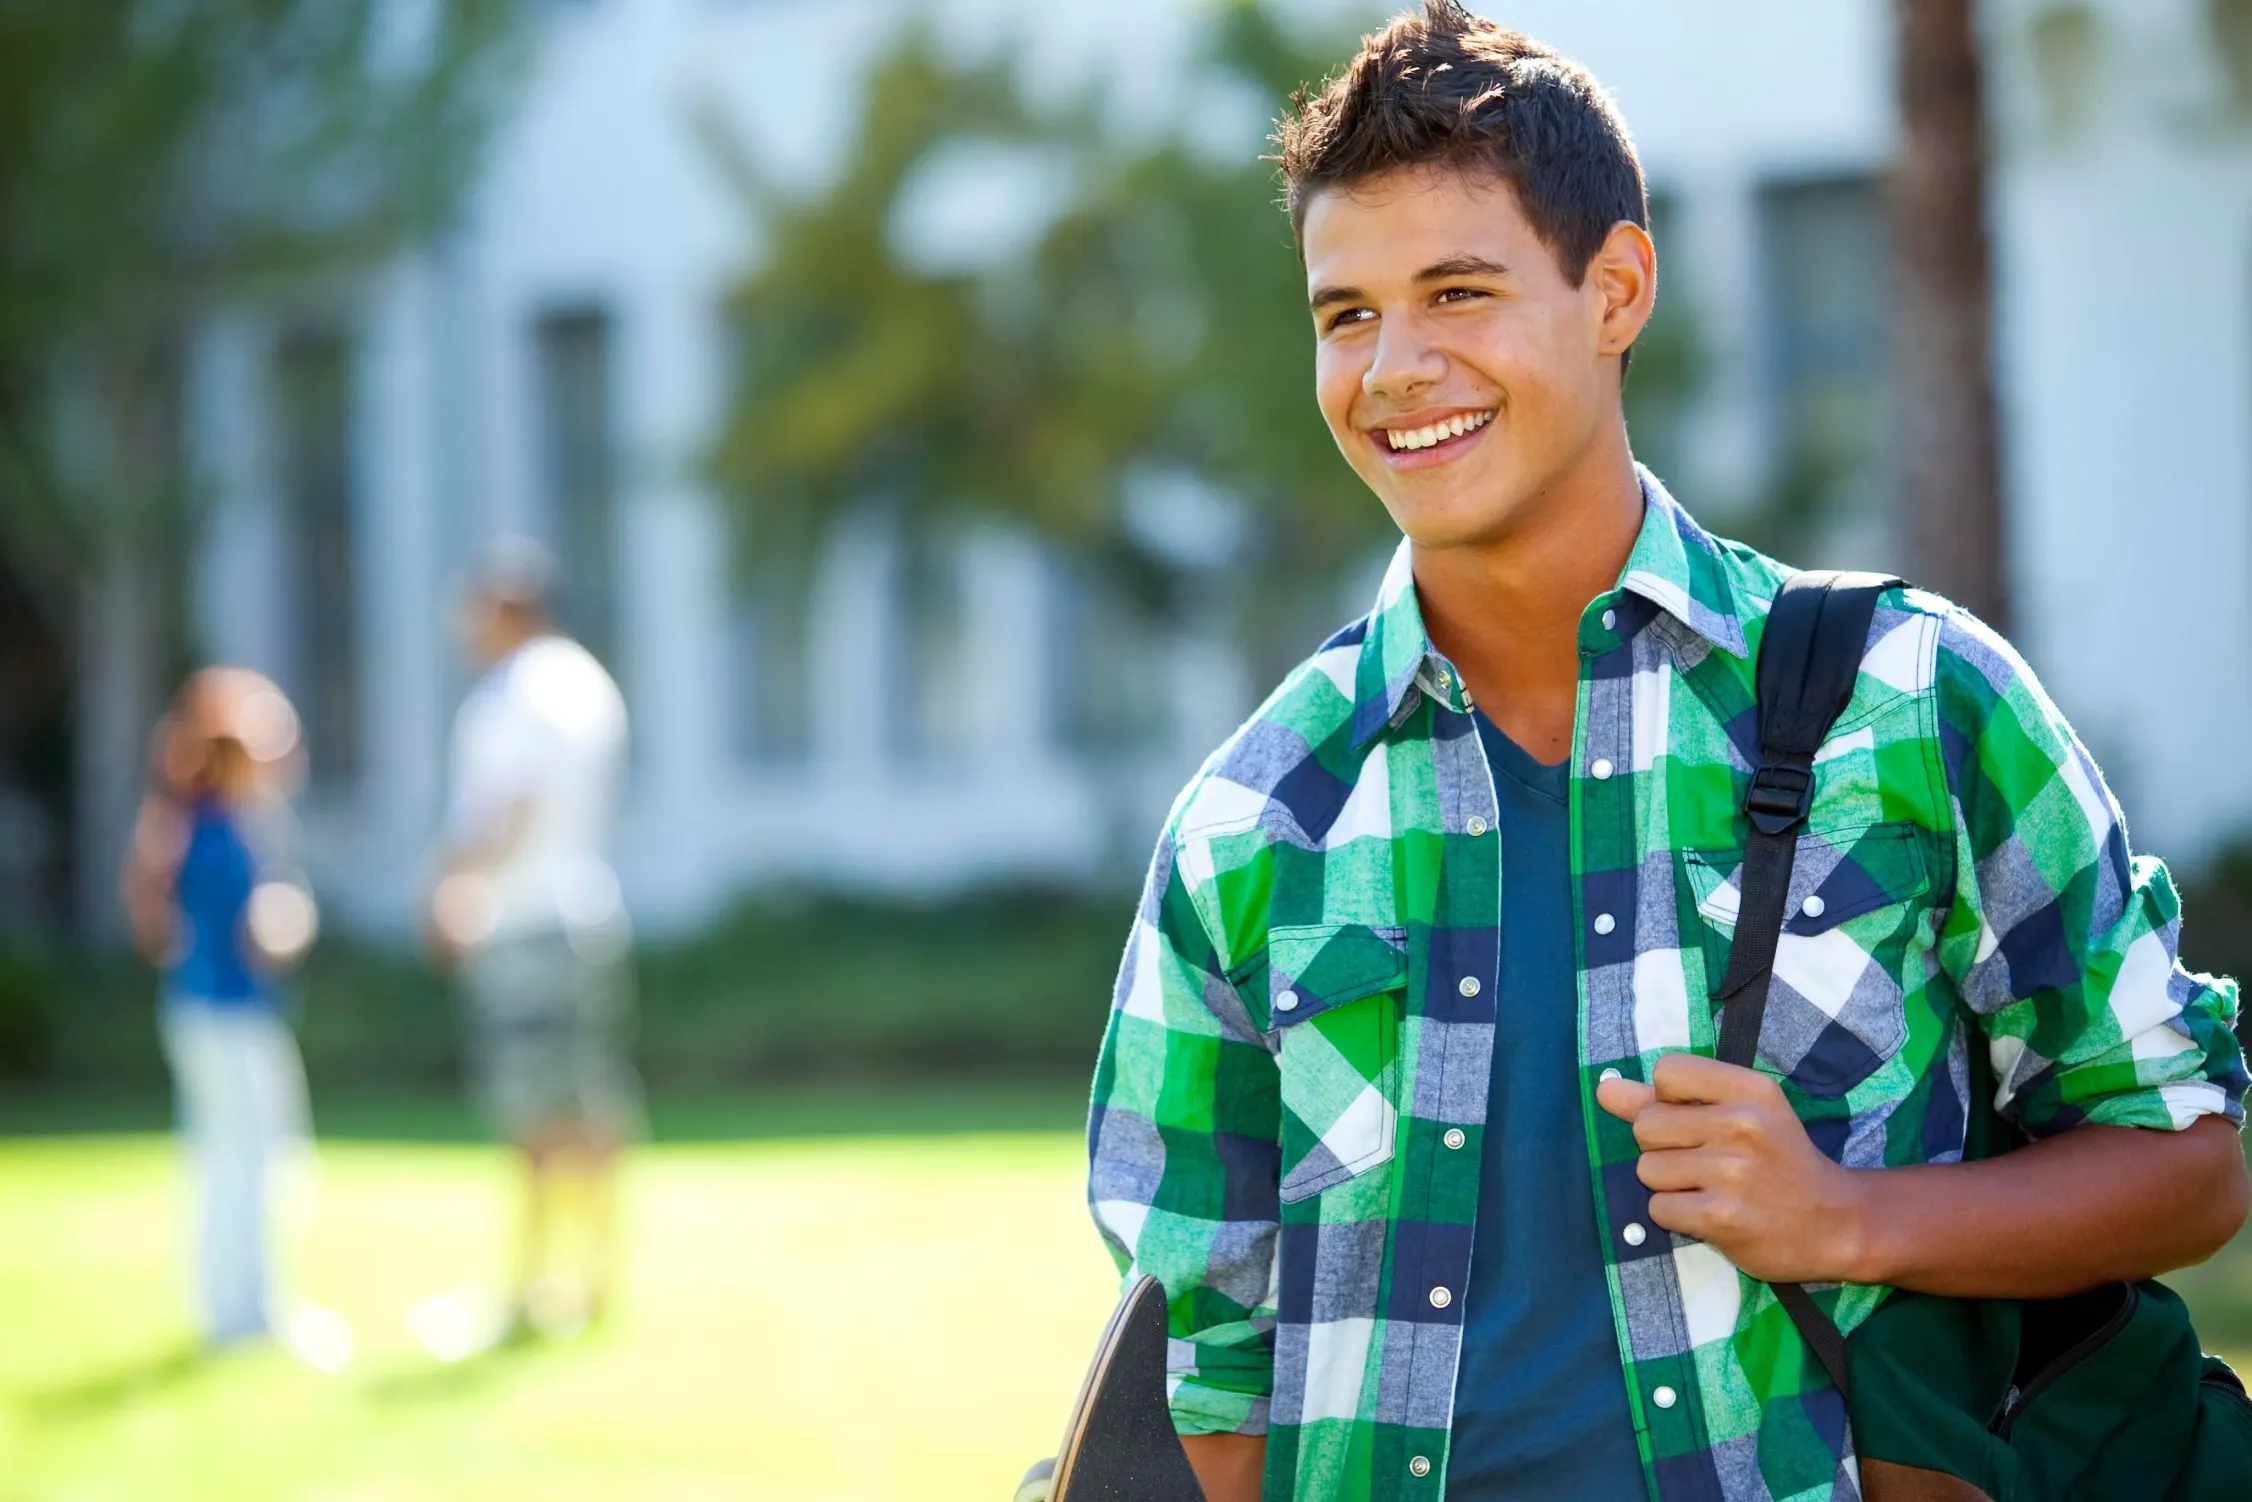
[(1812, 907), (1420, 1466), (1633, 1234), (1287, 1002), (1454, 1137), (1665, 1397), (1476, 826), (1609, 1074), (1604, 923), (1610, 619), (1601, 770), (1440, 1298), (1468, 985)]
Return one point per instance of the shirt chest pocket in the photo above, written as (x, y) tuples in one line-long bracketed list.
[(1853, 925), (1334, 992)]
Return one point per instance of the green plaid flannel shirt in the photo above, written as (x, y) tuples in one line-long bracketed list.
[(1289, 1106)]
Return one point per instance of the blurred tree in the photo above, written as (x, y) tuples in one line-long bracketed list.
[(1949, 445), (1148, 354), (156, 159), (1156, 328), (1133, 386)]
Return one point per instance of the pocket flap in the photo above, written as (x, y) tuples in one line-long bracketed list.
[(1314, 967), (1848, 875), (1835, 877)]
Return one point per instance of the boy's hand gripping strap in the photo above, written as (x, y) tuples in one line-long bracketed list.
[(1809, 658)]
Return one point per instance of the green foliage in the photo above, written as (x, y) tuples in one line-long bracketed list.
[(861, 376), (998, 983), (28, 1000), (1159, 321), (156, 158), (1001, 982), (1158, 324)]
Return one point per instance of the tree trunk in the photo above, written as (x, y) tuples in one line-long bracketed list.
[(122, 449), (117, 693), (36, 829), (1950, 466)]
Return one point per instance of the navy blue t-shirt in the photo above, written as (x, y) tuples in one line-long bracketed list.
[(1540, 1401)]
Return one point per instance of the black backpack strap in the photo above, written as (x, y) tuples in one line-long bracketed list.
[(1809, 659)]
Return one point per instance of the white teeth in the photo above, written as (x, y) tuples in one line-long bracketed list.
[(1438, 432)]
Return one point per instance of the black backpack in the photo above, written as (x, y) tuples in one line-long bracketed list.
[(2104, 1395)]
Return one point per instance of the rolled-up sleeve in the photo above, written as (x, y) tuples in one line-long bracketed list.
[(1183, 1146), (2061, 941)]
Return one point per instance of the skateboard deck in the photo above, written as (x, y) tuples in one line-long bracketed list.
[(1119, 1445)]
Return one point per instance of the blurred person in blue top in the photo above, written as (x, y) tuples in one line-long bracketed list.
[(213, 908), (527, 909)]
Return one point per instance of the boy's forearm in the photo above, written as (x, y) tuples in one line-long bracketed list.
[(2085, 1207), (1227, 1466), (1729, 1162)]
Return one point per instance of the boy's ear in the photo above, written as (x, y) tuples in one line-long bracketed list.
[(1622, 277)]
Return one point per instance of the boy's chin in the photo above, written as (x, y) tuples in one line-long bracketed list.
[(1449, 521)]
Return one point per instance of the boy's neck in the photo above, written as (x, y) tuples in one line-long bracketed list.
[(1506, 610)]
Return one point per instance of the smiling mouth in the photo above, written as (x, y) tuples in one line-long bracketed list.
[(1432, 435)]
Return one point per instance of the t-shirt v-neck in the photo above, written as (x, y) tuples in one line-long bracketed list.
[(1508, 759), (1540, 1396)]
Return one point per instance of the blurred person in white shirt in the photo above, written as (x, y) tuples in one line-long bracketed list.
[(526, 910)]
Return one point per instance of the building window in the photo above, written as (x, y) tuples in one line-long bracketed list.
[(578, 470), (773, 704), (930, 661), (313, 401), (1828, 275), (1105, 692)]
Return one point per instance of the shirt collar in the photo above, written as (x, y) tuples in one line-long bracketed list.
[(1675, 564)]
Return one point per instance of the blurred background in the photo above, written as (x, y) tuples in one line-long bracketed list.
[(916, 399)]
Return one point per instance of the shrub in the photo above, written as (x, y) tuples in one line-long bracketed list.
[(1000, 982)]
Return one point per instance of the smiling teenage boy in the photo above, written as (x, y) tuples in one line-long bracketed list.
[(1447, 913)]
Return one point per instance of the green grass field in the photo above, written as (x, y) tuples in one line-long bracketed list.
[(857, 1318), (856, 1295)]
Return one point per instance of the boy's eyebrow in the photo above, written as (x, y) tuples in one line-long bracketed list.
[(1438, 271), (1461, 265)]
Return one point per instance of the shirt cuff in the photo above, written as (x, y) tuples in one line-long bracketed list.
[(1201, 1408), (2166, 1107)]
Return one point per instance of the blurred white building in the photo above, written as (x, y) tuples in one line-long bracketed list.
[(555, 366)]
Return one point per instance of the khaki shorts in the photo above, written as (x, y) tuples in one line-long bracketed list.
[(550, 1027)]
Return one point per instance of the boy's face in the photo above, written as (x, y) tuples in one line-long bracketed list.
[(1461, 374)]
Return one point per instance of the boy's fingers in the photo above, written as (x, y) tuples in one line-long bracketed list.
[(1689, 1212), (1693, 1079), (1624, 1098), (1661, 1125), (1676, 1171)]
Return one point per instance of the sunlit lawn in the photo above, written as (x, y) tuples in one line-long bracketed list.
[(867, 1302), (886, 1317)]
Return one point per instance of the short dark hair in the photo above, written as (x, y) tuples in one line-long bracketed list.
[(515, 574), (1451, 88)]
